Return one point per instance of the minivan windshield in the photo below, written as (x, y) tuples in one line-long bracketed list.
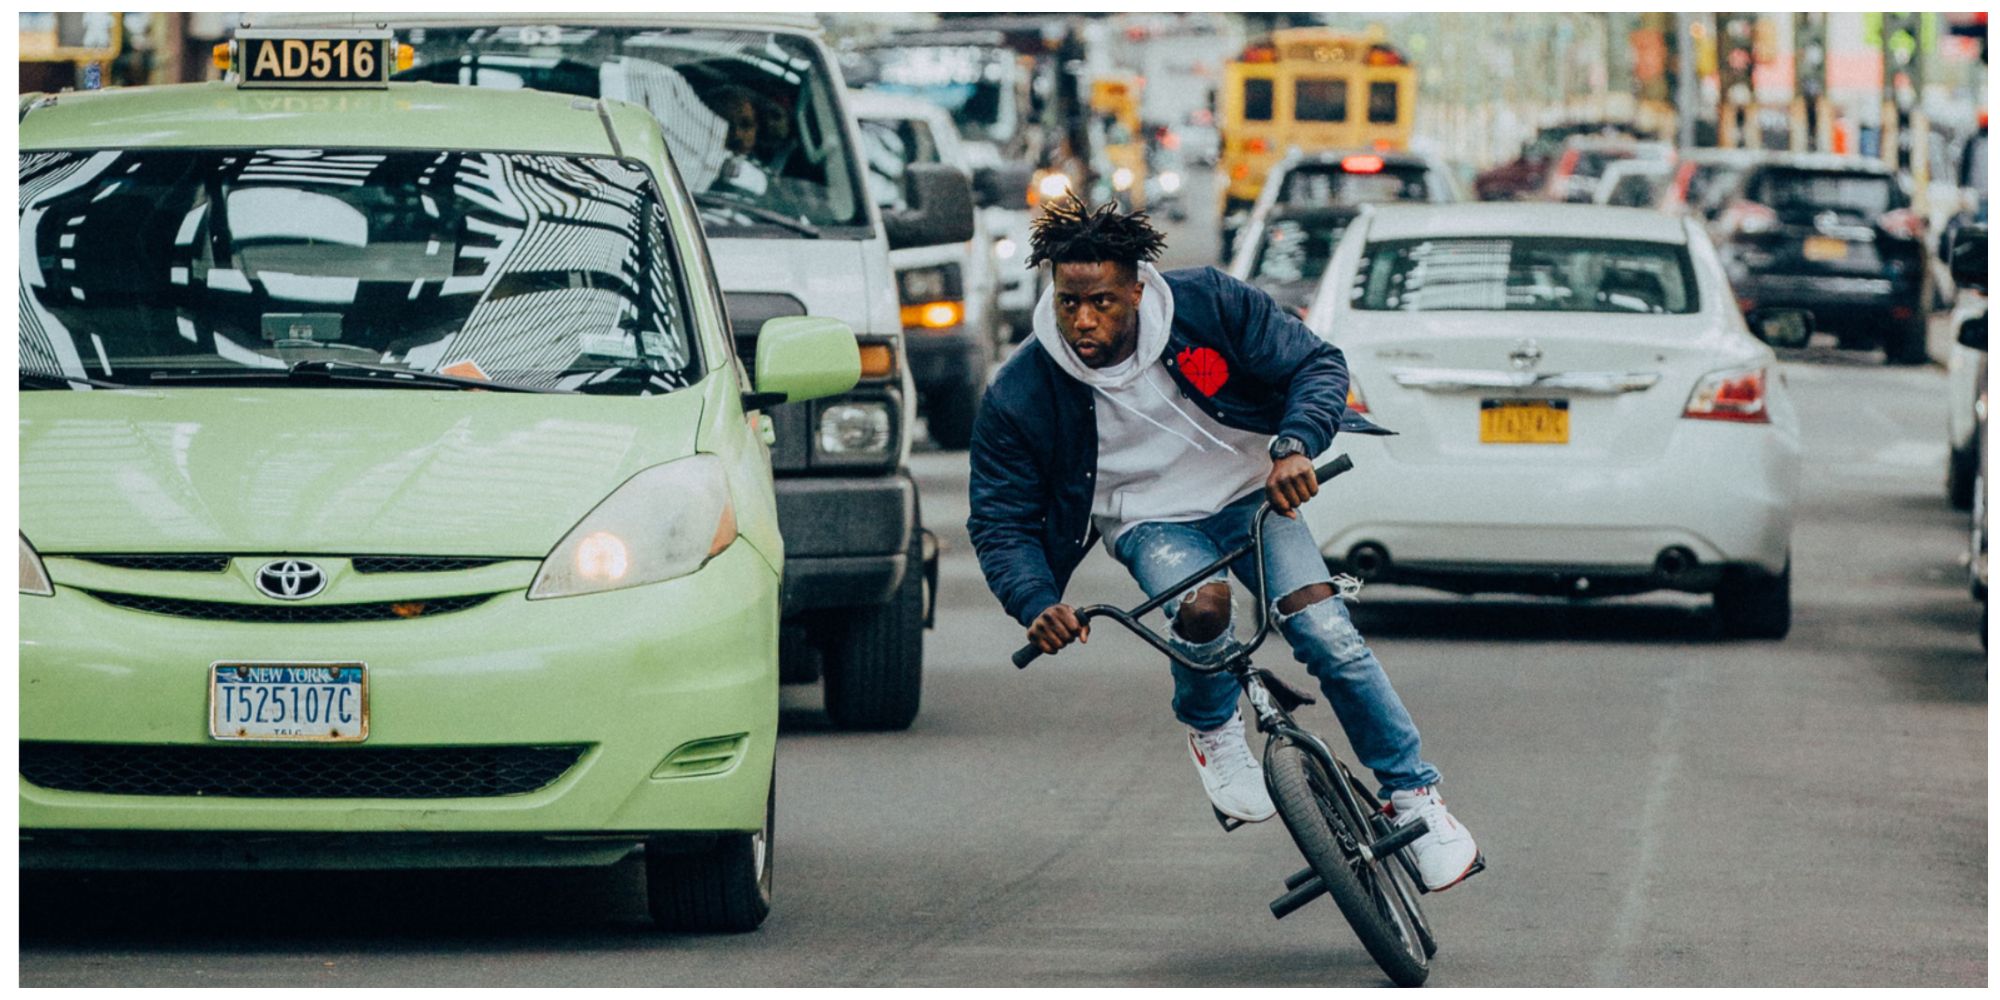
[(750, 116), (529, 270), (1530, 274)]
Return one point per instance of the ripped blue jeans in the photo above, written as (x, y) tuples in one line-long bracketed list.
[(1159, 554)]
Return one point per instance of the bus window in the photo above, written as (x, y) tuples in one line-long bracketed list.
[(1257, 100), (1321, 101), (1381, 103)]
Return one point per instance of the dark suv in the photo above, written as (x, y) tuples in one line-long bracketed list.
[(1835, 235)]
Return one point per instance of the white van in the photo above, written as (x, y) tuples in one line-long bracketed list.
[(755, 118)]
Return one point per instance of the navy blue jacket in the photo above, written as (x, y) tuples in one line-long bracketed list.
[(1235, 352)]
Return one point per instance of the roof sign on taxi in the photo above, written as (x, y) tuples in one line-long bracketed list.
[(315, 58)]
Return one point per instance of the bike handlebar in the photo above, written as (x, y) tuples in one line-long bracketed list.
[(1027, 654)]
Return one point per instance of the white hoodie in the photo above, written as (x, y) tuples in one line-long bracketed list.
[(1158, 459)]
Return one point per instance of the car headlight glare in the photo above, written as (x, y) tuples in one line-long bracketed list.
[(854, 429), (1170, 181), (34, 578), (663, 523), (1121, 178), (1003, 248)]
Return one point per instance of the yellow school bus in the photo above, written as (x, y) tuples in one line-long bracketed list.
[(1114, 101), (1310, 89)]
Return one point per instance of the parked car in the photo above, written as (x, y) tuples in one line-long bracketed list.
[(390, 493), (1836, 235), (1632, 183), (1583, 161), (1968, 268), (1308, 200), (1581, 410), (1965, 366), (782, 197), (947, 291)]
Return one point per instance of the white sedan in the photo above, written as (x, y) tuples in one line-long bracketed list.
[(1581, 410)]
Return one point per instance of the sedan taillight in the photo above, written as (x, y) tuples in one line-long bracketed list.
[(1355, 403), (1736, 396)]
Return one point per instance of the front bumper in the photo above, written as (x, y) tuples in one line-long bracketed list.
[(629, 675), (846, 539), (1725, 493)]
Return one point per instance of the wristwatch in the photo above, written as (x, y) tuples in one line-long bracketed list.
[(1287, 446)]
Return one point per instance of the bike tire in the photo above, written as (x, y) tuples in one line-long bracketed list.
[(1302, 790)]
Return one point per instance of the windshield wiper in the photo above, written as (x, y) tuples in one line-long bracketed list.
[(758, 212), (51, 380), (353, 371)]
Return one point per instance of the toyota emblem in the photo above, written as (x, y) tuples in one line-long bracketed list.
[(291, 579)]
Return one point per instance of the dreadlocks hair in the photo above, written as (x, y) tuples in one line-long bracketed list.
[(1071, 232)]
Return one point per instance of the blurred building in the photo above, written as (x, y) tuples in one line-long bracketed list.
[(87, 50)]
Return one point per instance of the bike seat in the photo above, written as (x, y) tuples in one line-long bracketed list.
[(1288, 697)]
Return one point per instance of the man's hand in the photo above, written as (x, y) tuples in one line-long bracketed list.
[(1291, 483), (1058, 626)]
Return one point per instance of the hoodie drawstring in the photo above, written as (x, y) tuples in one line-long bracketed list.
[(1164, 398)]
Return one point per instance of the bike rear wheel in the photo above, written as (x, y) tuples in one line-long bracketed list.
[(1329, 835)]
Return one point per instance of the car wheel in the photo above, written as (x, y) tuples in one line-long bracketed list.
[(1753, 604), (950, 413), (725, 888), (1961, 469), (875, 666), (1906, 344)]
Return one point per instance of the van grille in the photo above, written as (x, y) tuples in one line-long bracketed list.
[(269, 772), (164, 563), (297, 614)]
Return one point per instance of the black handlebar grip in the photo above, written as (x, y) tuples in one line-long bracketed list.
[(1341, 463), (1026, 655)]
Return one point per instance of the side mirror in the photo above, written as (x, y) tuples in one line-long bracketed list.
[(1973, 334), (1968, 258), (940, 211), (803, 357), (1002, 185), (1790, 328)]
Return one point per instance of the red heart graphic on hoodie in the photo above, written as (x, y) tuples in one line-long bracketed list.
[(1203, 367)]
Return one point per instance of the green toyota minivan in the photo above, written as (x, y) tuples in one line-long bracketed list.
[(391, 495)]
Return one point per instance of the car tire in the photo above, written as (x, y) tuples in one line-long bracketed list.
[(1906, 344), (949, 415), (1961, 471), (874, 668), (1753, 604), (722, 889)]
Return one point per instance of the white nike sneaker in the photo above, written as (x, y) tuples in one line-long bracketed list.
[(1229, 773), (1446, 855)]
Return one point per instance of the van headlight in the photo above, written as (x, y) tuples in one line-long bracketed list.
[(855, 430), (663, 523), (34, 577)]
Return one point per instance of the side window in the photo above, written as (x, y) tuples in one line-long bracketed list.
[(1257, 100), (1319, 100), (1381, 104)]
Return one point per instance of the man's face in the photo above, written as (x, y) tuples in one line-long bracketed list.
[(1097, 310)]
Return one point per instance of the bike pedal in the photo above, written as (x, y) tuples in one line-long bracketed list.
[(1229, 823)]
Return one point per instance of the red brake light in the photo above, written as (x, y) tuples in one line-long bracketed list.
[(1362, 164), (1902, 223), (1260, 54), (1735, 396), (1381, 56), (1354, 401), (1257, 146)]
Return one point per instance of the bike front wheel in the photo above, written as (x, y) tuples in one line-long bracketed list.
[(1329, 835)]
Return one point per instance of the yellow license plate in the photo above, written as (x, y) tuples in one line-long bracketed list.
[(1524, 421), (1825, 248)]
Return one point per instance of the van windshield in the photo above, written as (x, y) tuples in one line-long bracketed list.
[(973, 84), (750, 116), (533, 270)]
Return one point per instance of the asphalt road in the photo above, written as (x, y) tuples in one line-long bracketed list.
[(1658, 806)]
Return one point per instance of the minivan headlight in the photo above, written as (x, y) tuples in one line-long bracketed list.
[(857, 430), (34, 577), (663, 523)]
